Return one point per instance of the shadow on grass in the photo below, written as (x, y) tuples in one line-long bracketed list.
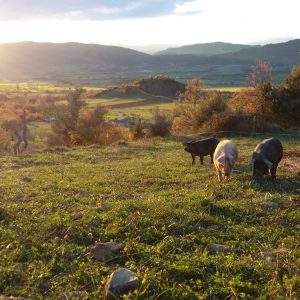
[(224, 211), (279, 186)]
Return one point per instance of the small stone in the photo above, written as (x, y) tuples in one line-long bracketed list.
[(26, 179), (271, 204), (297, 226), (216, 248), (121, 282), (106, 250), (78, 295)]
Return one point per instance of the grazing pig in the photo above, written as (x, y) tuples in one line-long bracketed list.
[(266, 156), (201, 148), (225, 157)]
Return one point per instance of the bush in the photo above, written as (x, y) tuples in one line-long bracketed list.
[(109, 134), (88, 128), (228, 121), (160, 125), (180, 126), (136, 130), (196, 106), (207, 109), (90, 122)]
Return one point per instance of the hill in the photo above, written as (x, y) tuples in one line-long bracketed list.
[(281, 53), (97, 65), (160, 86), (36, 59), (205, 49)]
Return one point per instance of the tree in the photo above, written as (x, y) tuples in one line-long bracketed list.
[(66, 115), (15, 115), (261, 73), (186, 108), (188, 100), (287, 104)]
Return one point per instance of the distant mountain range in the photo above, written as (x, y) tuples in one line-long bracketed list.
[(150, 49), (219, 63), (205, 49)]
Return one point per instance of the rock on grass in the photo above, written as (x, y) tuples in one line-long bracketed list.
[(271, 204), (26, 179), (217, 248), (106, 250), (121, 282)]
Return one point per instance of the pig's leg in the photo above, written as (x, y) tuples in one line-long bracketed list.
[(220, 177), (273, 171), (201, 159), (193, 159)]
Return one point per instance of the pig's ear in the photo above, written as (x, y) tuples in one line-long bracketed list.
[(268, 163), (221, 159)]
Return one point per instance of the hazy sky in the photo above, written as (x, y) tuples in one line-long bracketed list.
[(129, 22)]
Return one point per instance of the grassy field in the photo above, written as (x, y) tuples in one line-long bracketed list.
[(232, 89), (39, 87), (56, 204), (131, 104)]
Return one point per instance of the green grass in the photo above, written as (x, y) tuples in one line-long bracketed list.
[(147, 196), (110, 102), (143, 111), (228, 88)]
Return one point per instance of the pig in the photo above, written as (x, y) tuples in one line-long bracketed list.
[(266, 156), (225, 156), (201, 148)]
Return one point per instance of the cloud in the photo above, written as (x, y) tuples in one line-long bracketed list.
[(190, 7), (91, 9)]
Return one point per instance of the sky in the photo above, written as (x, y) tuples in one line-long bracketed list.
[(148, 22)]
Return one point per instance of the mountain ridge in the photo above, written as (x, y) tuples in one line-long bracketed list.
[(103, 64), (205, 49)]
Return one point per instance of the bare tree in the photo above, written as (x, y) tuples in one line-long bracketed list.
[(261, 73)]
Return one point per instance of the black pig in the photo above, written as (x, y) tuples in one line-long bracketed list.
[(266, 156), (202, 148)]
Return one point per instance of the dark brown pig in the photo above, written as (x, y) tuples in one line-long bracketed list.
[(202, 148), (266, 156)]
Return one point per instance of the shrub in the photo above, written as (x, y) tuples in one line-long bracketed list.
[(160, 124), (110, 133), (207, 109), (180, 126), (228, 121), (89, 127), (90, 122), (136, 130)]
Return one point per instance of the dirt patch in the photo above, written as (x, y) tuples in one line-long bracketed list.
[(291, 162)]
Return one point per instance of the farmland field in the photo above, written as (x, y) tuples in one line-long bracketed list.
[(55, 204)]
